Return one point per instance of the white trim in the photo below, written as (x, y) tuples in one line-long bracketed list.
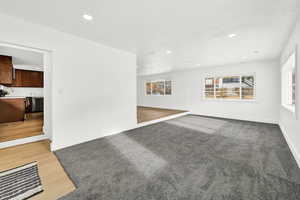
[(39, 68), (47, 94), (162, 119), (289, 108), (291, 146), (22, 47), (255, 119), (287, 67), (23, 141), (231, 100), (296, 86)]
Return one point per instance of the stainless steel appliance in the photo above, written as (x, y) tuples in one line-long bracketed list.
[(34, 104)]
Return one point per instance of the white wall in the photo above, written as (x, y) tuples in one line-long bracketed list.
[(25, 92), (178, 99), (289, 123), (48, 100), (93, 90), (188, 92), (29, 67)]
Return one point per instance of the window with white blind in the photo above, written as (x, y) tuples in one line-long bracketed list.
[(288, 83), (230, 87)]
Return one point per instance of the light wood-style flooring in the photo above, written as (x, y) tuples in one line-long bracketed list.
[(55, 181), (145, 114), (31, 126)]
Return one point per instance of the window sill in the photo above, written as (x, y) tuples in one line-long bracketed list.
[(157, 95), (232, 100), (289, 108)]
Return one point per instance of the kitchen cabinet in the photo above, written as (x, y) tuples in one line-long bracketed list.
[(6, 70), (12, 109), (17, 80), (18, 77), (26, 78)]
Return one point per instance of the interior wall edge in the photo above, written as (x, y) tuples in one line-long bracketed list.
[(288, 122), (55, 146), (90, 63), (290, 143)]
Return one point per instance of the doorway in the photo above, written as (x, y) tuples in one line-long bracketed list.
[(25, 85)]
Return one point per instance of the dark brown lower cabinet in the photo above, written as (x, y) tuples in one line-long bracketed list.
[(12, 110)]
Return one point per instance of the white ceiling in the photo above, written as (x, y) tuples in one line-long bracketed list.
[(22, 57), (194, 30)]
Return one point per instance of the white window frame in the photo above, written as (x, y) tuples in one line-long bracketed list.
[(171, 88), (150, 88), (226, 75), (286, 87), (159, 80)]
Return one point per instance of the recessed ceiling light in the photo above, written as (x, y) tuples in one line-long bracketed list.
[(87, 17), (168, 52), (255, 51), (232, 35)]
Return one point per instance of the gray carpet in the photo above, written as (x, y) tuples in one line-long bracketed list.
[(188, 158)]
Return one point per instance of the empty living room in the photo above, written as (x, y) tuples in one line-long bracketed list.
[(150, 100)]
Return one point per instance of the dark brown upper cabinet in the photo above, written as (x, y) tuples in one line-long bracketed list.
[(17, 77), (6, 70), (26, 78)]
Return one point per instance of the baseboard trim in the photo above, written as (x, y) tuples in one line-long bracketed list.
[(23, 141), (165, 108), (291, 146), (138, 125), (236, 118), (161, 119), (55, 147)]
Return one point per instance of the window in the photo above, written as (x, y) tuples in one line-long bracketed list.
[(159, 88), (288, 76), (209, 88), (168, 85), (229, 87), (148, 88), (247, 87)]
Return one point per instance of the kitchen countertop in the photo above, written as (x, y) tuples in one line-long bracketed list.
[(11, 97), (16, 97)]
